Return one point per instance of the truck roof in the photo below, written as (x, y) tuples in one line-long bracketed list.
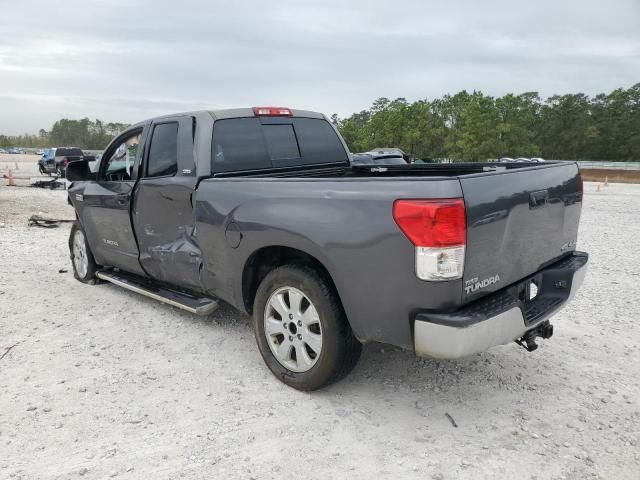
[(248, 112), (230, 113)]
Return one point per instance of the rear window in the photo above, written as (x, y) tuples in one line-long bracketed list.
[(238, 144), (260, 143), (281, 142), (318, 141)]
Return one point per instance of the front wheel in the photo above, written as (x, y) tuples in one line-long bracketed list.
[(84, 265), (301, 329)]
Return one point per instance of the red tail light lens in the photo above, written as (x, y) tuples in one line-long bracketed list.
[(432, 223), (272, 112), (65, 160)]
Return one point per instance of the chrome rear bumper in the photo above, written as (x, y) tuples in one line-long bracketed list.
[(473, 330)]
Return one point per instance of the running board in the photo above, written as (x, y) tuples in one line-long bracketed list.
[(185, 301)]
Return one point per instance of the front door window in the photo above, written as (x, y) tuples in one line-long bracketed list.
[(120, 163)]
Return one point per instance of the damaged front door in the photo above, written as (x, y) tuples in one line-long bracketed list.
[(104, 206), (164, 219)]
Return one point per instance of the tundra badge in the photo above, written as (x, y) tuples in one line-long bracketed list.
[(474, 284)]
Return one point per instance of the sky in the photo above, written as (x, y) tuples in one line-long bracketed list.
[(126, 60)]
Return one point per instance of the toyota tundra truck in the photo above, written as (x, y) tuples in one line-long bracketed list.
[(261, 208)]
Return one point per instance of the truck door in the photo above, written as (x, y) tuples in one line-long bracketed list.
[(105, 210), (163, 216)]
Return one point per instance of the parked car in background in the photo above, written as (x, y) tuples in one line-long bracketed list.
[(46, 160), (14, 150), (55, 160), (2, 150), (40, 152), (377, 159), (538, 159), (380, 156), (506, 160), (388, 152)]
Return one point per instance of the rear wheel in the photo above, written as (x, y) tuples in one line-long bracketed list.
[(301, 329), (84, 265)]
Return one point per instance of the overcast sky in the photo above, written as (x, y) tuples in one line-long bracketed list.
[(124, 60)]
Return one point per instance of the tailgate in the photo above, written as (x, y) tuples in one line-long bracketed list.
[(518, 221)]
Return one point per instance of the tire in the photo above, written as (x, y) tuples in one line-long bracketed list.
[(82, 261), (339, 350)]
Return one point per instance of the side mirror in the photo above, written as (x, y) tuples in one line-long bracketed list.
[(79, 171)]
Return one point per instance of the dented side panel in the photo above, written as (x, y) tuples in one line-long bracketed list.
[(164, 222)]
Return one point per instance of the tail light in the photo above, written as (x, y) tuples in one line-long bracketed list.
[(65, 160), (438, 230), (272, 112)]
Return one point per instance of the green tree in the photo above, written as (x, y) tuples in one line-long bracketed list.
[(518, 121), (476, 127)]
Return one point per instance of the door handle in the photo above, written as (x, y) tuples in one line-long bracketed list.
[(538, 199)]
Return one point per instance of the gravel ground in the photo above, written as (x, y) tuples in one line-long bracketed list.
[(100, 382)]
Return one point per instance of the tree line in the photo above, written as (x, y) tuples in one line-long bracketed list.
[(85, 133), (477, 127), (465, 126)]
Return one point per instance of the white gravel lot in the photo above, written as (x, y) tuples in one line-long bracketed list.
[(103, 383)]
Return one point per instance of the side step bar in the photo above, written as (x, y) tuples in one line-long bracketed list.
[(190, 303)]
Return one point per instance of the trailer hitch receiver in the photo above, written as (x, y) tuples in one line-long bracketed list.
[(528, 340)]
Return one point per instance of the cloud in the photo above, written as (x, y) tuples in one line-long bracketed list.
[(125, 61)]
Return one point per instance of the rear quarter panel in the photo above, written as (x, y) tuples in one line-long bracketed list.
[(346, 224)]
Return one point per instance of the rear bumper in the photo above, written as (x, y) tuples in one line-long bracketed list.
[(500, 317)]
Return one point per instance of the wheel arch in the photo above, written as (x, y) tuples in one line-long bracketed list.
[(265, 259)]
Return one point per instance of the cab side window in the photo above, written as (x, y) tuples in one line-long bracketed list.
[(120, 163), (163, 152)]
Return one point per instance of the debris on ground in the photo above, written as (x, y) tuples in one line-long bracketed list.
[(7, 350), (39, 221), (453, 422), (51, 183)]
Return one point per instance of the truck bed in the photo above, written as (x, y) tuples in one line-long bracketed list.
[(520, 218), (410, 170)]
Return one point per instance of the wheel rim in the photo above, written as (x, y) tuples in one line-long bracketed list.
[(293, 330), (80, 260)]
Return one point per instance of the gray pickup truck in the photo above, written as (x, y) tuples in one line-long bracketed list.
[(261, 208)]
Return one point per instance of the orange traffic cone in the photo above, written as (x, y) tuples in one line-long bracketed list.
[(606, 181), (11, 183), (598, 188)]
